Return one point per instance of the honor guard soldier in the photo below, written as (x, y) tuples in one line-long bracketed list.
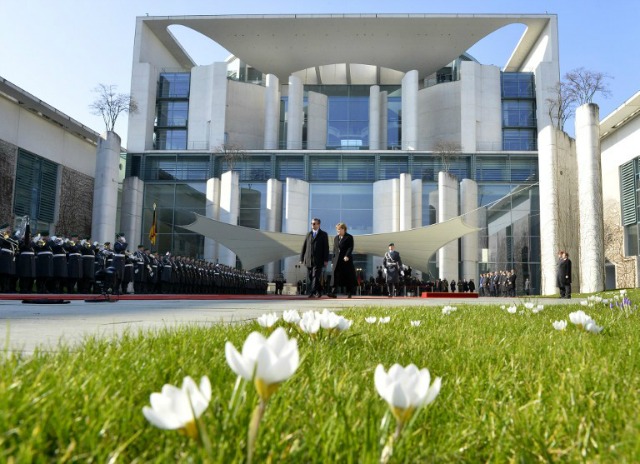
[(119, 247), (60, 272), (26, 264), (8, 251), (139, 266), (88, 252), (74, 263), (44, 261)]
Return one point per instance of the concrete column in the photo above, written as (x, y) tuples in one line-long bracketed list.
[(590, 199), (405, 206), (271, 112), (410, 110), (447, 209), (296, 221), (384, 107), (317, 104), (229, 210), (144, 85), (416, 203), (273, 220), (374, 117), (131, 210), (105, 188), (469, 206), (295, 115), (212, 210), (386, 211), (207, 107)]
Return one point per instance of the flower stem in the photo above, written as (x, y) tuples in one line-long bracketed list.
[(387, 451), (254, 425)]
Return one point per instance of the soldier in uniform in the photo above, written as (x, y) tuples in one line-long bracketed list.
[(139, 269), (44, 261), (60, 271), (26, 262), (119, 248), (8, 250), (74, 263), (88, 257)]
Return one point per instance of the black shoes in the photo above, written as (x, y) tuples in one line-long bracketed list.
[(331, 295)]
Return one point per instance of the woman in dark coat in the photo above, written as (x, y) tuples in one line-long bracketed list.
[(343, 270)]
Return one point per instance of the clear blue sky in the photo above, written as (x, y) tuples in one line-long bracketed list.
[(60, 50)]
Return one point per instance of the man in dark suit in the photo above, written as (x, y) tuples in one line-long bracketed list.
[(344, 272), (564, 276), (315, 256)]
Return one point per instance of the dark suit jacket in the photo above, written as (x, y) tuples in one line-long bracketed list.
[(343, 272), (564, 271), (315, 251)]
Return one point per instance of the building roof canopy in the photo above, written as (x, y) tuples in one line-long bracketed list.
[(284, 44)]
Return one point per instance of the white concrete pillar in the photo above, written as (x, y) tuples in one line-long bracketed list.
[(144, 88), (374, 117), (447, 209), (549, 243), (212, 210), (416, 203), (410, 110), (207, 107), (317, 104), (405, 205), (590, 199), (296, 221), (295, 114), (105, 188), (469, 209), (271, 112), (131, 210), (229, 210), (273, 220), (384, 107)]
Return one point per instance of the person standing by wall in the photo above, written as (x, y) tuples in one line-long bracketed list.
[(315, 256), (564, 275), (392, 263), (344, 272)]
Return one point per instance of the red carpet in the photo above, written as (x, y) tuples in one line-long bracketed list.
[(448, 295)]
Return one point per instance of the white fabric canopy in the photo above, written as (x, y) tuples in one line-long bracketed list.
[(257, 247)]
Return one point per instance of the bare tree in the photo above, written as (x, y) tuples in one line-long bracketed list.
[(614, 246), (448, 151), (584, 84), (560, 107), (232, 154), (110, 104)]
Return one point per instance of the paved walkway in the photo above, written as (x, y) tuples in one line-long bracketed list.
[(25, 326)]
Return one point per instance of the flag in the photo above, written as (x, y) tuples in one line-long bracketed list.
[(154, 227)]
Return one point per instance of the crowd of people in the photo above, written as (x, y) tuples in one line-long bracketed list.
[(57, 264), (498, 283)]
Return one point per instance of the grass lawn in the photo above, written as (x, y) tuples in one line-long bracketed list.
[(514, 389)]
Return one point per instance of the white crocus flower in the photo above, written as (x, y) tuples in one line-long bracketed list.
[(592, 327), (528, 305), (448, 309), (579, 318), (560, 325), (268, 319), (328, 320), (266, 361), (584, 302), (384, 320), (405, 389), (310, 322), (371, 319), (415, 323), (623, 292), (512, 309), (292, 317), (344, 324), (178, 408)]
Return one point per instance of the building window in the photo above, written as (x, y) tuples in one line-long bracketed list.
[(290, 167), (518, 113), (36, 187), (519, 140), (170, 139), (174, 85), (176, 168), (517, 85), (172, 112)]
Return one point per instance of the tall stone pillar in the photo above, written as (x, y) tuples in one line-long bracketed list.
[(295, 116), (448, 209), (469, 206), (273, 220), (296, 221), (212, 211), (317, 105), (374, 117), (416, 203), (405, 198), (131, 211), (590, 199), (384, 107), (105, 188), (229, 211), (410, 110), (271, 112)]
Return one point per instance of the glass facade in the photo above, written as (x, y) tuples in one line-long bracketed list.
[(519, 124), (172, 111)]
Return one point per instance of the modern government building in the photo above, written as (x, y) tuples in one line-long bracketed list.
[(383, 122)]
